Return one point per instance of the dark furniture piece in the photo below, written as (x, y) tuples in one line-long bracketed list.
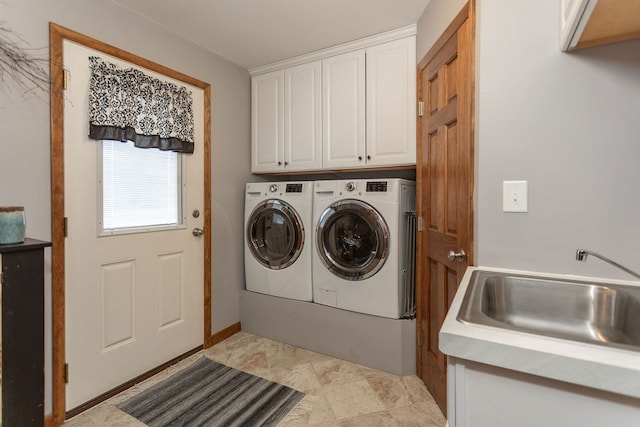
[(23, 333)]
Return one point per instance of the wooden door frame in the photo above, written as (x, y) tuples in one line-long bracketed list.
[(57, 34), (467, 13)]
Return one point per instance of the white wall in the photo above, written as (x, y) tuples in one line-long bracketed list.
[(567, 123), (25, 138)]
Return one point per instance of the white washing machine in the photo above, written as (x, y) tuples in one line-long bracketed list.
[(278, 239), (360, 259)]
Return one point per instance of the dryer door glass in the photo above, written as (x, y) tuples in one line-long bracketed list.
[(352, 239), (275, 234)]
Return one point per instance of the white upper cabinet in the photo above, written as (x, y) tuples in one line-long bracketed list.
[(347, 107), (286, 120), (343, 79), (303, 117), (391, 103), (267, 122)]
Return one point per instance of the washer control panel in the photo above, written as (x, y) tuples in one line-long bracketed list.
[(294, 188)]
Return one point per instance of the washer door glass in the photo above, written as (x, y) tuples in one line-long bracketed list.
[(352, 239), (275, 234)]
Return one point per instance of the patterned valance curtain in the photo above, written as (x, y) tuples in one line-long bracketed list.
[(128, 105)]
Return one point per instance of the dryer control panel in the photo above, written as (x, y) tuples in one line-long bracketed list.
[(376, 186)]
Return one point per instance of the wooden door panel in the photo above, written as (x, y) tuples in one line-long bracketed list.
[(446, 115), (444, 177), (445, 277), (435, 186), (445, 188), (434, 89), (452, 179)]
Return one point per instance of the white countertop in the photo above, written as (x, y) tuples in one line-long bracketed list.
[(610, 369)]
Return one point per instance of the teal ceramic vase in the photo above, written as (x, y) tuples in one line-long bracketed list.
[(12, 225)]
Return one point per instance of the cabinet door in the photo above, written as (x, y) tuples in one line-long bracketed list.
[(267, 122), (343, 110), (303, 117), (391, 103)]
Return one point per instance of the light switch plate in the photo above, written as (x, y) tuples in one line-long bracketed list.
[(514, 196)]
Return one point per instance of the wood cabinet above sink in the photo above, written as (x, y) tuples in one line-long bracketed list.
[(587, 23)]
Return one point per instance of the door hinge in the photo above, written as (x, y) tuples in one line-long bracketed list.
[(66, 373), (420, 338), (66, 226), (419, 223), (65, 78), (420, 108)]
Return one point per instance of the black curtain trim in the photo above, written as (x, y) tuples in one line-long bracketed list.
[(114, 133)]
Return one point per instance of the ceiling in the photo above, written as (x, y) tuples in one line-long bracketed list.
[(251, 33)]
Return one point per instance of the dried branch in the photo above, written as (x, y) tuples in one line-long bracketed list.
[(16, 63)]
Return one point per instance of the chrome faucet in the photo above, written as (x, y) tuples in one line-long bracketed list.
[(581, 255)]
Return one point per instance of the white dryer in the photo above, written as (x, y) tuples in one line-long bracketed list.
[(278, 241), (360, 258)]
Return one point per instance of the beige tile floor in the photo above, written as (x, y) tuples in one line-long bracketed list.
[(338, 393)]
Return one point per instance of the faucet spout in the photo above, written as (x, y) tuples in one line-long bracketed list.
[(581, 255)]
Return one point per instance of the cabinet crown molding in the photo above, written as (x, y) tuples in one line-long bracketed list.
[(365, 42)]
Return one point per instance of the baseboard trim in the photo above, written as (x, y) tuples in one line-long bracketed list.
[(222, 335)]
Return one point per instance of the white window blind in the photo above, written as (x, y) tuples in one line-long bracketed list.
[(141, 188)]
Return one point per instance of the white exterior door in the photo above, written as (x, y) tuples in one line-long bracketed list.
[(133, 300)]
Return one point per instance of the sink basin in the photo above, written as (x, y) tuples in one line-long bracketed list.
[(600, 314)]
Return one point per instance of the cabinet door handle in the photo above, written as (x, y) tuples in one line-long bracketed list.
[(286, 163), (279, 163), (360, 158), (368, 157)]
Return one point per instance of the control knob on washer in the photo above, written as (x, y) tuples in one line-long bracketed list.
[(350, 186)]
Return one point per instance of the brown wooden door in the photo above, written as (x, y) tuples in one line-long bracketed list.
[(445, 188)]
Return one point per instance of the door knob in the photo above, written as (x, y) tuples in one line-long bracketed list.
[(197, 232), (460, 255)]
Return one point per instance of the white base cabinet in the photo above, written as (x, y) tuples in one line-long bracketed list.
[(588, 23), (351, 107), (480, 395)]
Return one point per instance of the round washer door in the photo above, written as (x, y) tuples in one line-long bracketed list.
[(352, 239), (275, 234)]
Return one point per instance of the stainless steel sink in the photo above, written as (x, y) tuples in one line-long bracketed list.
[(594, 313)]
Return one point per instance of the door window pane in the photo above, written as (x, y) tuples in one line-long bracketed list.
[(141, 188)]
